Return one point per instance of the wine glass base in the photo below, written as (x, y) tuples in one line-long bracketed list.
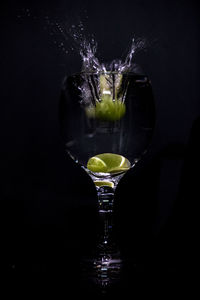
[(107, 270), (103, 272)]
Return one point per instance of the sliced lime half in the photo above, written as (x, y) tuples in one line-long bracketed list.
[(108, 163)]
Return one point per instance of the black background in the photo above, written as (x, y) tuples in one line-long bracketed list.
[(49, 205)]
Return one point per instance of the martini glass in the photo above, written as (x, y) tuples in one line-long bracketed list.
[(107, 121)]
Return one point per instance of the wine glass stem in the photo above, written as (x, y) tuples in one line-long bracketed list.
[(105, 199), (108, 261), (105, 204), (107, 242)]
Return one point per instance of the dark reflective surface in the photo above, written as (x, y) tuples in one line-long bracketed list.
[(47, 251)]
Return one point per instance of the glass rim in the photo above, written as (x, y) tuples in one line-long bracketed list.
[(106, 72)]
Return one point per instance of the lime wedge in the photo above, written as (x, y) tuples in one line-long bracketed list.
[(106, 109), (104, 183), (108, 163), (109, 110), (96, 164), (104, 83), (109, 107)]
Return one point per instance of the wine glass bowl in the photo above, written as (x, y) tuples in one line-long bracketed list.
[(107, 122), (86, 135)]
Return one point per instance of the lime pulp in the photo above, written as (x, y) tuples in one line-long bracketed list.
[(107, 109), (108, 163)]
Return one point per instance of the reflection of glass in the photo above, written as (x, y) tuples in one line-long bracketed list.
[(107, 124)]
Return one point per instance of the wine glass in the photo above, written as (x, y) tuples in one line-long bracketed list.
[(107, 121)]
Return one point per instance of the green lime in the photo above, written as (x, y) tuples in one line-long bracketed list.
[(106, 83), (96, 164), (108, 163), (107, 109), (104, 183)]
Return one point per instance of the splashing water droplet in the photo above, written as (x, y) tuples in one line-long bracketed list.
[(75, 36)]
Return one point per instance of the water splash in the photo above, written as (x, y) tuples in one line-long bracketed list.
[(86, 47), (73, 37), (90, 63), (76, 38)]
